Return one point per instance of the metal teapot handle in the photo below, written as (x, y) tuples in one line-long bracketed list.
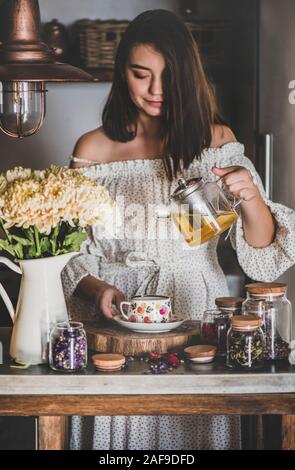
[(3, 292), (236, 202)]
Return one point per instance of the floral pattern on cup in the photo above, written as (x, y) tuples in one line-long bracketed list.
[(147, 309)]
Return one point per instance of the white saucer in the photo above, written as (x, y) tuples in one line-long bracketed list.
[(149, 327)]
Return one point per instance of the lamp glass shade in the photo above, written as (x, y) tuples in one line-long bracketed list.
[(22, 107)]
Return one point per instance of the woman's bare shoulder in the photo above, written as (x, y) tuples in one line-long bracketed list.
[(221, 135), (93, 146)]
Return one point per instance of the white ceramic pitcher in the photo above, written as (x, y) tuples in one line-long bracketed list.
[(41, 304)]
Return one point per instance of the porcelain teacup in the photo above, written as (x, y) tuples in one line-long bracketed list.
[(148, 309)]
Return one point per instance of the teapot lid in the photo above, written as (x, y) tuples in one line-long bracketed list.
[(186, 187)]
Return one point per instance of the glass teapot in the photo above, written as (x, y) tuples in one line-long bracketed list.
[(201, 210)]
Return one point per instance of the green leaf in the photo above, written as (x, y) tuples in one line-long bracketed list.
[(6, 246), (29, 234), (44, 245), (18, 250), (30, 244), (59, 252), (31, 252), (3, 228), (37, 241), (52, 246), (21, 240), (75, 238), (53, 239)]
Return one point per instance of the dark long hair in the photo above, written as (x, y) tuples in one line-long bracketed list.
[(190, 107)]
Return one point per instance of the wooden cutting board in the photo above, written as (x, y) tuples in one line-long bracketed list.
[(108, 336)]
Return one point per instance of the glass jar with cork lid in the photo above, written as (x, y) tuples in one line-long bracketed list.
[(269, 301), (68, 347), (216, 322), (230, 305), (214, 327), (245, 343)]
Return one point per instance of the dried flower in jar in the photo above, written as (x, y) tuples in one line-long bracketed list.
[(68, 347), (214, 329), (246, 350), (245, 345)]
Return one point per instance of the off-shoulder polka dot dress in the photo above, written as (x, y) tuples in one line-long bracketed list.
[(192, 278)]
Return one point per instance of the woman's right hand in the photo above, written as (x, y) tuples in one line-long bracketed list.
[(108, 300)]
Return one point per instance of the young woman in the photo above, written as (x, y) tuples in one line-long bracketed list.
[(161, 121)]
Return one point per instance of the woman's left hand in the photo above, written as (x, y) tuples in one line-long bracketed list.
[(239, 181)]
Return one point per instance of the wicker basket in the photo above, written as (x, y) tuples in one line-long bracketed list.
[(98, 42)]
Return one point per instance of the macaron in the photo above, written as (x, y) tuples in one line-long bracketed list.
[(200, 353), (108, 362)]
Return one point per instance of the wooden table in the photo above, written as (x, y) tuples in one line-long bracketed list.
[(188, 390)]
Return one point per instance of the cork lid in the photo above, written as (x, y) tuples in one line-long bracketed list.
[(244, 321), (108, 360), (230, 302), (267, 287), (200, 350)]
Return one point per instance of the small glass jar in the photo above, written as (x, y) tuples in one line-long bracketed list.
[(68, 347), (269, 301), (230, 305), (214, 327), (245, 343)]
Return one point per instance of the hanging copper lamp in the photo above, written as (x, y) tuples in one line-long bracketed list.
[(26, 64)]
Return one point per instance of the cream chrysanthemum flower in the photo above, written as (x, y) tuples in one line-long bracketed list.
[(18, 173), (45, 198), (3, 184)]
